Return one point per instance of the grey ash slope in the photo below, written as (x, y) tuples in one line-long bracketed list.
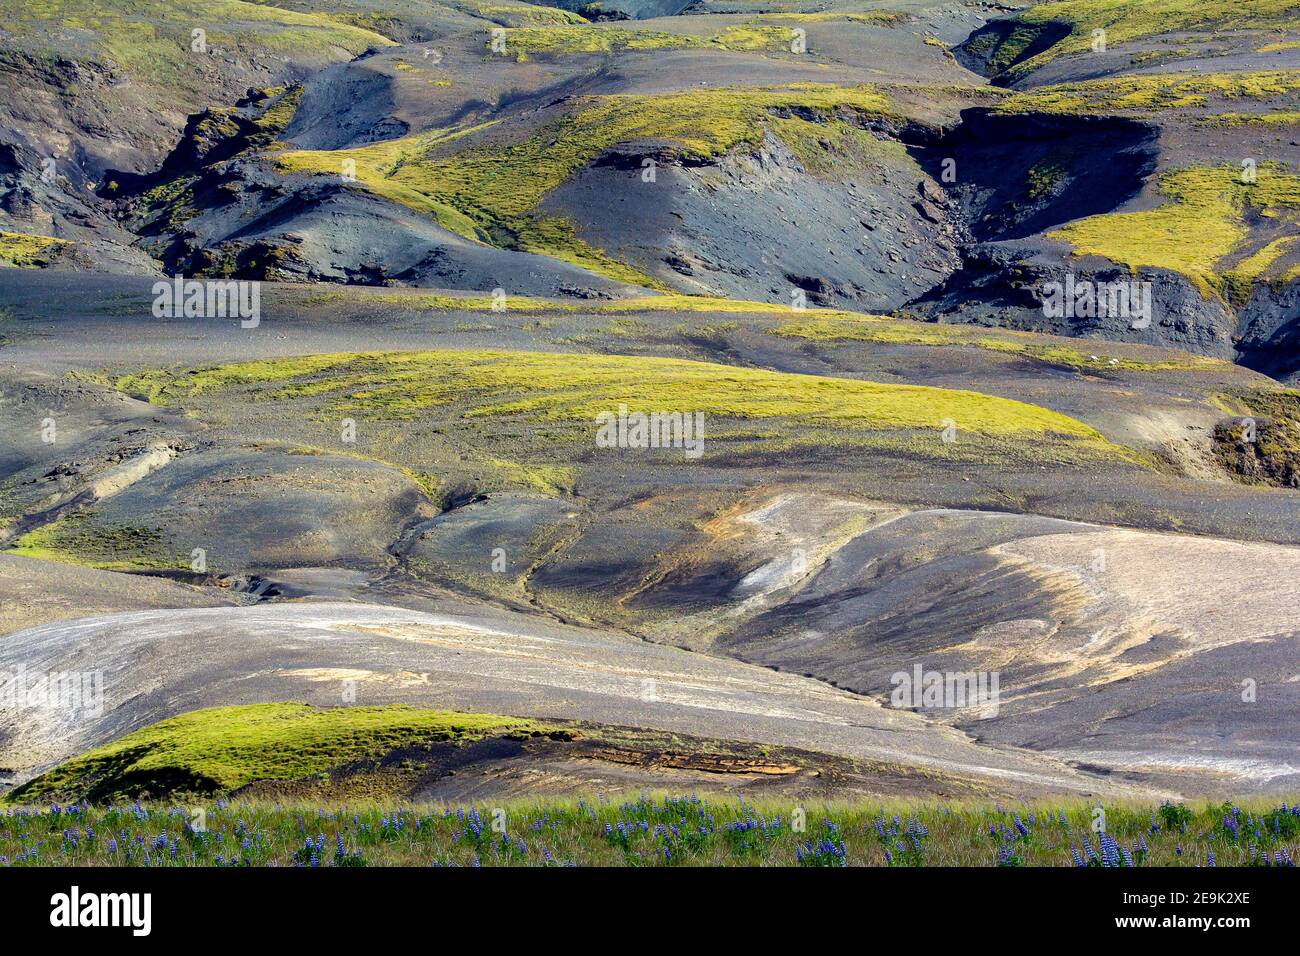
[(768, 592), (162, 663), (871, 228), (903, 560), (727, 228), (1214, 52)]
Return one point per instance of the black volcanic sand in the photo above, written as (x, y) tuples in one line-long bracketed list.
[(844, 565), (1141, 612)]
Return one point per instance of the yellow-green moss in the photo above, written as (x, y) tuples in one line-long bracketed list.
[(666, 302), (150, 39), (1042, 178), (516, 13), (753, 36), (566, 387), (834, 147), (1241, 278), (1125, 20), (812, 324), (491, 192), (80, 539), (876, 17), (1271, 118), (1203, 221), (219, 749), (553, 41), (28, 252), (901, 332), (1152, 93)]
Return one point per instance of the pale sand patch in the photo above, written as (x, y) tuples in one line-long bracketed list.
[(328, 675), (1210, 591)]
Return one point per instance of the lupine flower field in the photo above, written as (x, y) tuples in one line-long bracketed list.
[(649, 831)]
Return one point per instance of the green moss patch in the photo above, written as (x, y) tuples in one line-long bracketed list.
[(554, 41), (1262, 445), (1204, 219), (516, 13), (485, 387), (81, 539), (491, 193), (1153, 93), (30, 252), (1273, 118), (150, 39), (222, 748), (901, 332), (1129, 20)]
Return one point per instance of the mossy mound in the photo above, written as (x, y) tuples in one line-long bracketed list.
[(1153, 93), (541, 409), (490, 192), (398, 385), (1263, 448), (151, 40), (1206, 219), (556, 41), (77, 540), (223, 748), (30, 252), (1047, 31)]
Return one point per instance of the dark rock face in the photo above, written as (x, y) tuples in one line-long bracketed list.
[(1269, 331), (1003, 283), (345, 105), (1261, 451), (622, 9), (39, 196), (217, 206), (762, 227), (1015, 176), (316, 228), (1018, 177), (1001, 44)]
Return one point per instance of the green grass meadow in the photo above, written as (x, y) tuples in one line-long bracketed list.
[(650, 830)]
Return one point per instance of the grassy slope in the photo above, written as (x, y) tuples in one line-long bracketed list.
[(1204, 232), (521, 44), (654, 831), (827, 325), (147, 74), (25, 251), (1271, 118), (398, 385), (516, 13), (761, 33), (151, 38), (76, 540), (490, 193), (391, 16), (223, 748), (1126, 20), (1203, 221), (1271, 456), (1153, 93)]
